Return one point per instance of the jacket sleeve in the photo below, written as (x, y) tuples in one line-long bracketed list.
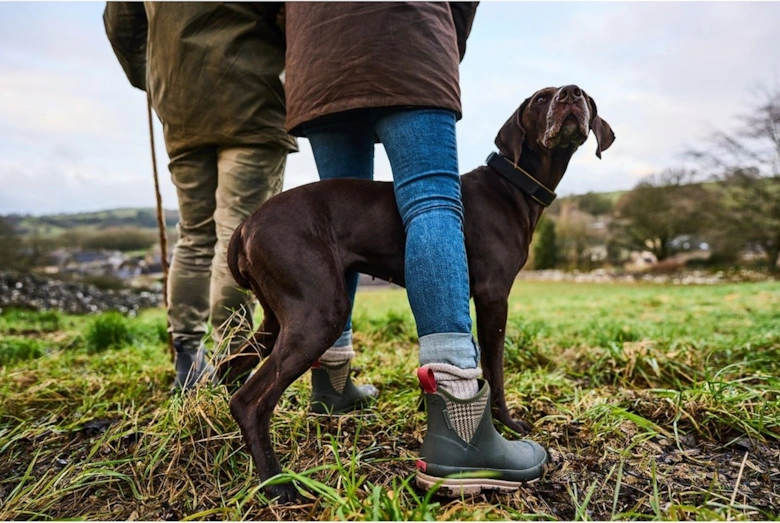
[(463, 15), (127, 28)]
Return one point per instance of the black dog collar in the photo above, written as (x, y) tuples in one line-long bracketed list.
[(521, 179)]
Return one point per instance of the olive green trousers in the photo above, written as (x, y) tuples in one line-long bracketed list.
[(218, 188)]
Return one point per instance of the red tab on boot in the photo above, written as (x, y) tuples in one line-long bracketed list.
[(315, 365), (421, 465), (427, 380)]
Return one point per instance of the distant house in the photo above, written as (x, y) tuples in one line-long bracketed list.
[(639, 261), (58, 258), (687, 242), (93, 263), (97, 261), (84, 258), (130, 268)]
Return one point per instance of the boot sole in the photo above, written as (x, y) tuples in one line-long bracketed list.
[(455, 488)]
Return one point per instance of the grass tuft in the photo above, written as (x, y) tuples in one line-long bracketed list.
[(15, 349), (110, 330), (23, 321)]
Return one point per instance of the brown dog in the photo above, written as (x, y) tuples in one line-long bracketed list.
[(293, 253)]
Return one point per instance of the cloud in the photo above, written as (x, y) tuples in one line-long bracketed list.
[(74, 136), (30, 103)]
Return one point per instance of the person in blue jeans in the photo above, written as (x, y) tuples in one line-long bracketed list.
[(358, 73), (422, 149)]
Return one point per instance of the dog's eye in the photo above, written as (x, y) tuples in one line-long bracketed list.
[(540, 99)]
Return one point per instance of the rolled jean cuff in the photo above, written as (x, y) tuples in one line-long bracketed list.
[(453, 348), (345, 340)]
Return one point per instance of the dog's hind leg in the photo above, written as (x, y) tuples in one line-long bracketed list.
[(303, 287), (303, 339)]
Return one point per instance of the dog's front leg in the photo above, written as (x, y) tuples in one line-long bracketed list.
[(491, 332)]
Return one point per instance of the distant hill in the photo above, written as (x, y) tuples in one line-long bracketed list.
[(55, 224), (144, 218), (612, 196)]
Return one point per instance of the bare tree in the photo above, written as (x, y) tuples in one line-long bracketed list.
[(578, 235), (750, 210), (746, 165), (658, 210)]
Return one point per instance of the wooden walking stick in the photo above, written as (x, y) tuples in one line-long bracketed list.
[(160, 226)]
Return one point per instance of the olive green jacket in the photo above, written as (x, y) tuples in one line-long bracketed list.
[(212, 70)]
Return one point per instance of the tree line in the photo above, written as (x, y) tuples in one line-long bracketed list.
[(727, 198)]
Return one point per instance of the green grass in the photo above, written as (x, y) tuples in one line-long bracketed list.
[(19, 321), (648, 397), (14, 349)]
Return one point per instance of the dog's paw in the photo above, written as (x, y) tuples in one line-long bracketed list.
[(517, 425), (284, 494)]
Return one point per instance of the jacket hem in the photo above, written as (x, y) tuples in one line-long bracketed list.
[(294, 125)]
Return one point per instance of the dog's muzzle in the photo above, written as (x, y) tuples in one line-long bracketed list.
[(568, 119)]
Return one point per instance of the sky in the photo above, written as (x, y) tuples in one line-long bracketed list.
[(74, 135)]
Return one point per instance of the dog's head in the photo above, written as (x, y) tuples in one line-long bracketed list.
[(554, 119)]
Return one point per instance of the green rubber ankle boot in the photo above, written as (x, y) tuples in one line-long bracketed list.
[(464, 451), (328, 380)]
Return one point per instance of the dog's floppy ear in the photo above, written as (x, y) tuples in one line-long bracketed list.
[(512, 135), (604, 134)]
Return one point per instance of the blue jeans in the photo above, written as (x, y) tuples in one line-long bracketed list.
[(422, 149)]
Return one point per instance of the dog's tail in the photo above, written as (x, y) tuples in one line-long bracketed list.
[(236, 249)]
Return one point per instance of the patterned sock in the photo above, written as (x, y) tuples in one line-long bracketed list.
[(336, 361), (461, 383)]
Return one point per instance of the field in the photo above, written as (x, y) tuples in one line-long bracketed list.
[(656, 402), (53, 225)]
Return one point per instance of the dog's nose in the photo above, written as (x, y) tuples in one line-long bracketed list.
[(569, 93)]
